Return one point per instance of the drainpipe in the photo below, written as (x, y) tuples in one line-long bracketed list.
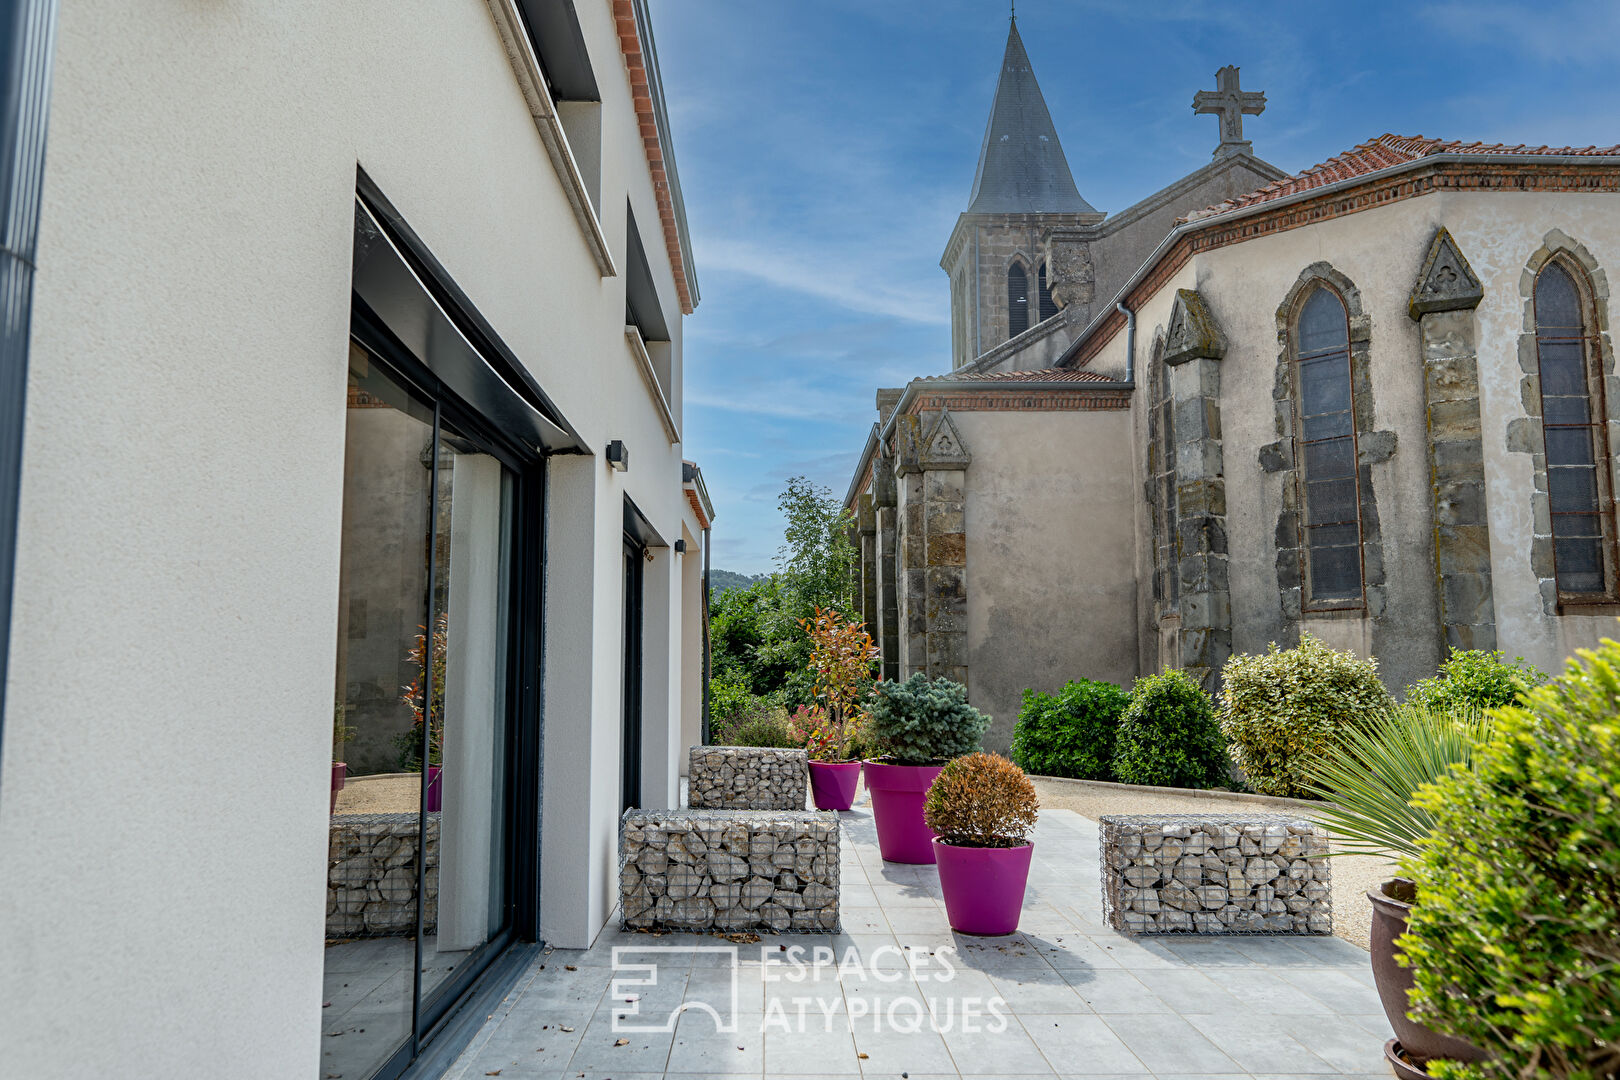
[(1130, 342), (708, 649)]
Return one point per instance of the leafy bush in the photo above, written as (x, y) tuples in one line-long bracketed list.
[(923, 720), (1515, 939), (1168, 735), (1475, 679), (841, 659), (1371, 775), (981, 800), (759, 724), (1071, 732), (1283, 709)]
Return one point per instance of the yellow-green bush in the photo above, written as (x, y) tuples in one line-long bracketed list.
[(1514, 942), (1282, 709)]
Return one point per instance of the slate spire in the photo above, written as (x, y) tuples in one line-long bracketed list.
[(1022, 169)]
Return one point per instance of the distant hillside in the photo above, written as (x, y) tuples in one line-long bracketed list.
[(721, 580)]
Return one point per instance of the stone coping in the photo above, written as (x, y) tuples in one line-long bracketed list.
[(1196, 793)]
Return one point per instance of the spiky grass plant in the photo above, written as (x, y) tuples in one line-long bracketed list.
[(1371, 774)]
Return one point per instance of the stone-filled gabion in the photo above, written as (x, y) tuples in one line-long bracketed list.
[(1215, 874), (371, 876), (746, 778), (729, 870)]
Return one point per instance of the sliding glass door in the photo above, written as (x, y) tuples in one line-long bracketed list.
[(420, 874)]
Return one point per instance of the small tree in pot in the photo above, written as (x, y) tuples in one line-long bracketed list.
[(917, 726), (841, 657), (983, 807)]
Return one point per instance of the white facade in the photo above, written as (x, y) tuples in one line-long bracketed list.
[(163, 802)]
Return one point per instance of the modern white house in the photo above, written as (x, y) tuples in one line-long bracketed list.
[(342, 421)]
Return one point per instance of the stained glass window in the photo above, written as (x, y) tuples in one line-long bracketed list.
[(1326, 439)]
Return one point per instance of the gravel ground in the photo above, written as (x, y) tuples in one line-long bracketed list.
[(1353, 875), (386, 793)]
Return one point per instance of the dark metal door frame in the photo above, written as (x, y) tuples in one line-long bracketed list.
[(635, 558)]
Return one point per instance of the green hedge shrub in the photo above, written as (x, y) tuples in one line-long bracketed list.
[(1070, 733), (1282, 709), (1515, 939), (1168, 735), (923, 720), (760, 723), (1475, 680)]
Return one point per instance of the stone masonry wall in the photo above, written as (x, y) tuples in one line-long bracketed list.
[(746, 778), (729, 870), (371, 876), (1215, 874)]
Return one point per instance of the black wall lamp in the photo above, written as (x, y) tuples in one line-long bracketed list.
[(618, 456)]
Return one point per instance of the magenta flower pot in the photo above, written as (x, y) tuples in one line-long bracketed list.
[(833, 783), (435, 790), (898, 792), (340, 774), (983, 887)]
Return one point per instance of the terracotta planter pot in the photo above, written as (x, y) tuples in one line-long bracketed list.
[(983, 887), (898, 792), (1392, 902), (340, 775), (833, 783)]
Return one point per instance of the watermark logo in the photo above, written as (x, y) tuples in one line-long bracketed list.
[(886, 990), (639, 976)]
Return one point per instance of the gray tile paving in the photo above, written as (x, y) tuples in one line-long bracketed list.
[(897, 992)]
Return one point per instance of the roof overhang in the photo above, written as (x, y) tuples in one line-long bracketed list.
[(697, 495)]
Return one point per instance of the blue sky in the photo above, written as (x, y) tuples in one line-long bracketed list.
[(826, 147)]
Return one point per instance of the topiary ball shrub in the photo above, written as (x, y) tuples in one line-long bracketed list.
[(981, 800), (1282, 709), (922, 720), (1514, 941), (1472, 680), (1168, 736), (1070, 733)]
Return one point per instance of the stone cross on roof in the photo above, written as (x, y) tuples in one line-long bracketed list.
[(1230, 102)]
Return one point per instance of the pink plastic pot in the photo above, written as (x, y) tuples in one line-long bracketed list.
[(984, 887), (898, 792), (340, 774), (833, 783), (435, 790)]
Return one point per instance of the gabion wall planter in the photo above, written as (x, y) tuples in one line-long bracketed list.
[(371, 876), (729, 870), (1215, 874), (746, 778)]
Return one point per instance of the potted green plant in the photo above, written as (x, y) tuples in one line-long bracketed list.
[(917, 726), (341, 733), (841, 657), (982, 807), (1370, 777)]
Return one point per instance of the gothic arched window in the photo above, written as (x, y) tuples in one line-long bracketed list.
[(1017, 300), (1048, 306), (1325, 438), (1572, 413)]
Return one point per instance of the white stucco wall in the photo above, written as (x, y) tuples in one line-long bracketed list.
[(163, 795)]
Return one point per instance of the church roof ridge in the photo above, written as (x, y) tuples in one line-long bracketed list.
[(1021, 164), (1384, 152)]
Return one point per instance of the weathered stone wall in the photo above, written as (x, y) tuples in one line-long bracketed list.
[(371, 876), (1215, 874), (729, 870), (746, 778)]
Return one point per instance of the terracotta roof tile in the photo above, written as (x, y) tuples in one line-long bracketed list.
[(1384, 152), (1042, 375)]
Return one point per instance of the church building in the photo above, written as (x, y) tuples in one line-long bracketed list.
[(1373, 400)]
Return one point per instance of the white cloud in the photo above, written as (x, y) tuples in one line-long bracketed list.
[(826, 277)]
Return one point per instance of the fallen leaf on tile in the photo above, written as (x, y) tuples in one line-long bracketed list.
[(622, 1042)]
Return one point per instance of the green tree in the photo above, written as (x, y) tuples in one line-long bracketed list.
[(817, 561)]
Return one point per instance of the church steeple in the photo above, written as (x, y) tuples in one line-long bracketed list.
[(1021, 165)]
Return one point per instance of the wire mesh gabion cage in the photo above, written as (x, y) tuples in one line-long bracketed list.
[(371, 876), (1215, 874)]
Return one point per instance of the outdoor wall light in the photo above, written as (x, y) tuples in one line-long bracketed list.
[(680, 547), (618, 455)]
